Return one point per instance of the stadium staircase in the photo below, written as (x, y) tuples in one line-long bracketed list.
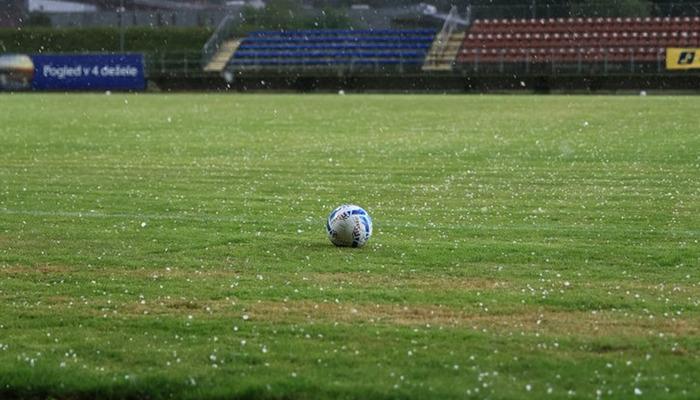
[(333, 50), (443, 52), (447, 43), (222, 56)]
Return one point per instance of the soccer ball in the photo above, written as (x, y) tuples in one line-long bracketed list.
[(349, 225)]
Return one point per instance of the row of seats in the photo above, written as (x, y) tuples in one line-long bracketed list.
[(589, 20), (683, 39), (321, 40), (337, 46), (335, 54), (586, 25), (607, 43), (335, 61), (564, 55), (498, 37), (334, 47), (342, 32)]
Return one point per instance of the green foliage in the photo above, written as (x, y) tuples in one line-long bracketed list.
[(46, 40), (38, 19), (550, 8), (173, 247), (619, 8), (329, 18), (287, 14)]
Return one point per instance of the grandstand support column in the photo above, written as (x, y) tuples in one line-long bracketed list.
[(120, 12), (551, 60), (527, 62), (605, 62), (579, 68)]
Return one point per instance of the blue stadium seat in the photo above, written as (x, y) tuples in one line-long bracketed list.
[(333, 48), (304, 47)]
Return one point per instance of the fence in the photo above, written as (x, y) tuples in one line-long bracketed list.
[(607, 65), (174, 64), (312, 67), (585, 9)]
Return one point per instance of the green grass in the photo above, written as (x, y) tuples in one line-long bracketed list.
[(173, 246)]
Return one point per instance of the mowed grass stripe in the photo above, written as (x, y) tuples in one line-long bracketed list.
[(173, 246)]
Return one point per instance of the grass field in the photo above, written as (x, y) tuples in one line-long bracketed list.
[(173, 246)]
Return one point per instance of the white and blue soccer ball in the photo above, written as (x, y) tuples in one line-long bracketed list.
[(349, 225)]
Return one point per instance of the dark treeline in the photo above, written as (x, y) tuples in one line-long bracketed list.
[(464, 3), (291, 14), (541, 8)]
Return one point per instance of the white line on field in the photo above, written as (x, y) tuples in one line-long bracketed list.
[(134, 216), (218, 218)]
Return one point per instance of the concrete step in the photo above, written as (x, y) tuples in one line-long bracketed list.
[(220, 59), (440, 57)]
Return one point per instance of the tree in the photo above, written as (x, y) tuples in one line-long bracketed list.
[(619, 8), (287, 14), (37, 18)]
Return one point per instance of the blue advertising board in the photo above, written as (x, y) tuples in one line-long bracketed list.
[(89, 72)]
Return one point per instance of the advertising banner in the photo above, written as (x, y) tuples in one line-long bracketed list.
[(682, 58), (89, 72)]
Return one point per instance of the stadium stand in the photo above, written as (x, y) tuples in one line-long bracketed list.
[(576, 40), (333, 49), (569, 53)]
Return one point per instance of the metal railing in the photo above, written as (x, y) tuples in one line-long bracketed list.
[(174, 64), (188, 65), (222, 33), (437, 54), (313, 67), (605, 66)]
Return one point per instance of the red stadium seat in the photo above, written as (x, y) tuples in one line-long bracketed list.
[(572, 40)]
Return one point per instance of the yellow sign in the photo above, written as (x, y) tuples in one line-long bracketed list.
[(682, 58)]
